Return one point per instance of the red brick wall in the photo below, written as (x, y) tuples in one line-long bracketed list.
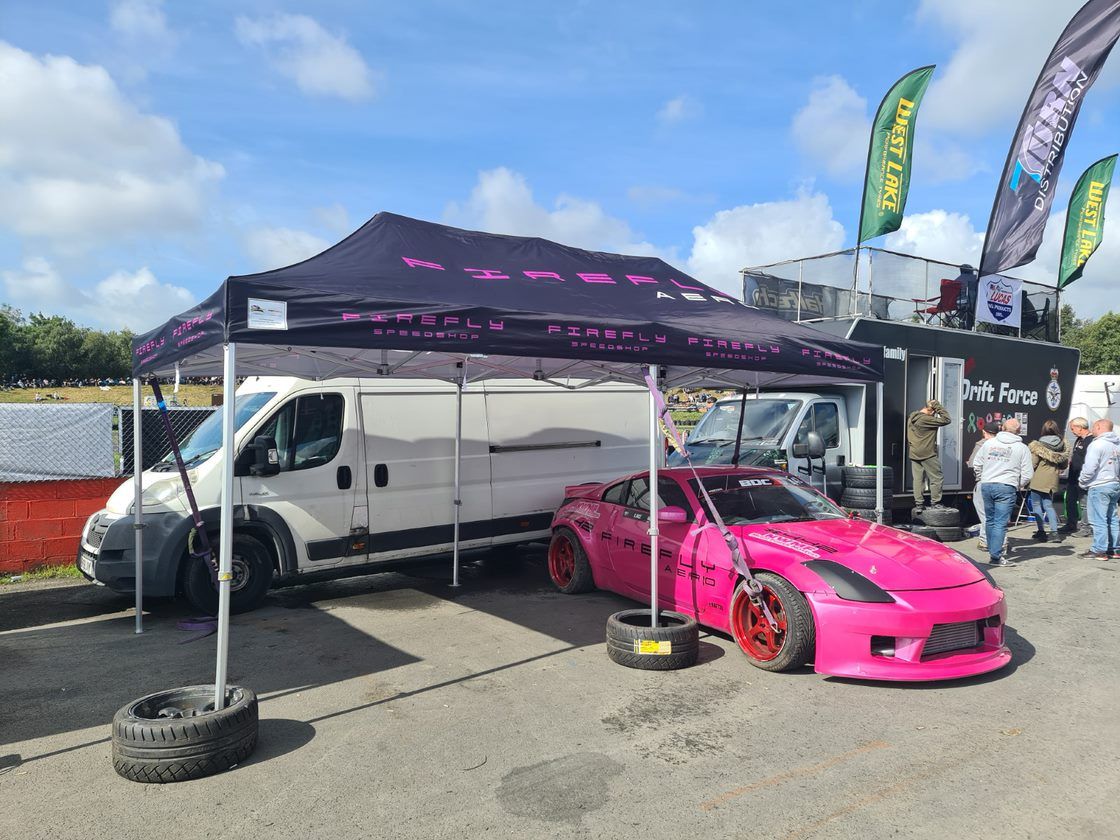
[(41, 521)]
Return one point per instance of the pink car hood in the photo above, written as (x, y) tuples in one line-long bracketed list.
[(893, 560)]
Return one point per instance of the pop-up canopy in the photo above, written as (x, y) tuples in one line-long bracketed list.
[(412, 298), (401, 297)]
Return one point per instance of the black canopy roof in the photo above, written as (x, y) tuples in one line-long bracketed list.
[(406, 297)]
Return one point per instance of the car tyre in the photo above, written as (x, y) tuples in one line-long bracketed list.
[(673, 644), (568, 566), (949, 534), (862, 478), (789, 646), (252, 577), (925, 531), (940, 517), (177, 735)]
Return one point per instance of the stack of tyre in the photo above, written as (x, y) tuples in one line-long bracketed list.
[(938, 523), (857, 495)]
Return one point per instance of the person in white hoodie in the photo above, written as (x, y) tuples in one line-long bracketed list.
[(1003, 467), (1101, 477)]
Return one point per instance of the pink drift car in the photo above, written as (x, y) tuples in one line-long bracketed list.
[(855, 598)]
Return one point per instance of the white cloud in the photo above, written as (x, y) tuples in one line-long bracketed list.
[(321, 64), (334, 219), (140, 19), (80, 164), (757, 234), (833, 127), (502, 202), (1000, 49), (938, 235), (276, 247), (679, 109), (136, 300)]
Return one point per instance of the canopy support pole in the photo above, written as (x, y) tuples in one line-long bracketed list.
[(654, 463), (457, 503), (138, 503), (225, 538), (879, 452)]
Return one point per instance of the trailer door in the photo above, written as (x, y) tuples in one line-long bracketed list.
[(949, 373)]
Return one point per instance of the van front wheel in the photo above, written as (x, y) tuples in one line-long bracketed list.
[(252, 576)]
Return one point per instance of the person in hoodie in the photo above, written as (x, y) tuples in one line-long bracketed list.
[(1100, 476), (1049, 456), (921, 438), (987, 432), (1003, 468)]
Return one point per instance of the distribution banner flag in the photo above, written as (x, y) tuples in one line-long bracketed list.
[(1085, 219), (888, 157), (1000, 301), (1030, 175)]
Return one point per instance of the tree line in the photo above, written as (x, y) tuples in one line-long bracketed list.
[(1098, 339), (55, 348)]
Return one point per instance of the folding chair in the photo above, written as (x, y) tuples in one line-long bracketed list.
[(946, 305)]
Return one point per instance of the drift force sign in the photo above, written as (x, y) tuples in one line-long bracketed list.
[(1001, 301)]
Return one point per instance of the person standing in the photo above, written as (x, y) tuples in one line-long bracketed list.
[(925, 464), (1049, 456), (1003, 467), (1100, 476), (988, 432), (1082, 437)]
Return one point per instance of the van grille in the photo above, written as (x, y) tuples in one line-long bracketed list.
[(96, 532), (946, 637)]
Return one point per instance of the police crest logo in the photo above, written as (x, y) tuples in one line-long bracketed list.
[(1053, 391)]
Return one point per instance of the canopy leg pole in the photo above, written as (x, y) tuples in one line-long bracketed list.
[(457, 503), (879, 452), (225, 538), (138, 502), (654, 463)]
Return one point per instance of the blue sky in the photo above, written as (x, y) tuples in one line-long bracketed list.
[(149, 149)]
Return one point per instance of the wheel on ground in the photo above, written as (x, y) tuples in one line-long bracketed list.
[(864, 477), (252, 576), (951, 533), (787, 642), (176, 735), (940, 517), (568, 566), (674, 643), (925, 531)]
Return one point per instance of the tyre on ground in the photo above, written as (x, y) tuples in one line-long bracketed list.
[(940, 517), (788, 643), (568, 566), (673, 644), (252, 569), (864, 477), (177, 735)]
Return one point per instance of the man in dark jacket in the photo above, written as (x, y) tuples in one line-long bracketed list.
[(1082, 437), (921, 438)]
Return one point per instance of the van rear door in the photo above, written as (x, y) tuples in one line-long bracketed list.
[(410, 471)]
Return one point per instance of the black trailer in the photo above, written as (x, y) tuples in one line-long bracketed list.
[(979, 377)]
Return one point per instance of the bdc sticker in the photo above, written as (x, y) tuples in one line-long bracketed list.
[(652, 648)]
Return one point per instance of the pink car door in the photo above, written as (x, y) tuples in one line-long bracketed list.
[(630, 545)]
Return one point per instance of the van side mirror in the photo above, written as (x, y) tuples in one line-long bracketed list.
[(266, 459), (816, 445)]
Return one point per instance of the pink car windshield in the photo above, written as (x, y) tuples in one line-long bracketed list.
[(744, 499)]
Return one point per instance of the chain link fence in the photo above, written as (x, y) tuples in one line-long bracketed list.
[(890, 286), (84, 440)]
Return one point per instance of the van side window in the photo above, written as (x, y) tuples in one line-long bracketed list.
[(615, 493), (824, 419), (307, 430)]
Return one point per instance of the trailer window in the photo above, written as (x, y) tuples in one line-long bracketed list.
[(824, 419)]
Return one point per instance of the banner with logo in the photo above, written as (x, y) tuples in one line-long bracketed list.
[(1085, 219), (1000, 301), (1030, 175), (888, 157)]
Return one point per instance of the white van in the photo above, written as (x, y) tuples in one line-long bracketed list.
[(363, 477)]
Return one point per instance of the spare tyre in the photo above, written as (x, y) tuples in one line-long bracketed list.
[(177, 735), (867, 494), (925, 531), (674, 643), (950, 534), (940, 517), (864, 477)]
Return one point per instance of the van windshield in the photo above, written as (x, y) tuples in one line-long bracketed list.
[(764, 422), (207, 438)]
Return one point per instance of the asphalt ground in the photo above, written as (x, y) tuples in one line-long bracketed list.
[(394, 706)]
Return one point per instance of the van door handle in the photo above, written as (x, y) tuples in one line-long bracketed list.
[(343, 478), (381, 475)]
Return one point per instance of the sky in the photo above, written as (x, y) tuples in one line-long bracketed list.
[(150, 149)]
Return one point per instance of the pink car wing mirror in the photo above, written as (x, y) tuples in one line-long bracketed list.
[(672, 514)]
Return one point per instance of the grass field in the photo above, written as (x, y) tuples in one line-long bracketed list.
[(193, 395)]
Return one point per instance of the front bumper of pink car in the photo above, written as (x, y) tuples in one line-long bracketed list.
[(932, 634)]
